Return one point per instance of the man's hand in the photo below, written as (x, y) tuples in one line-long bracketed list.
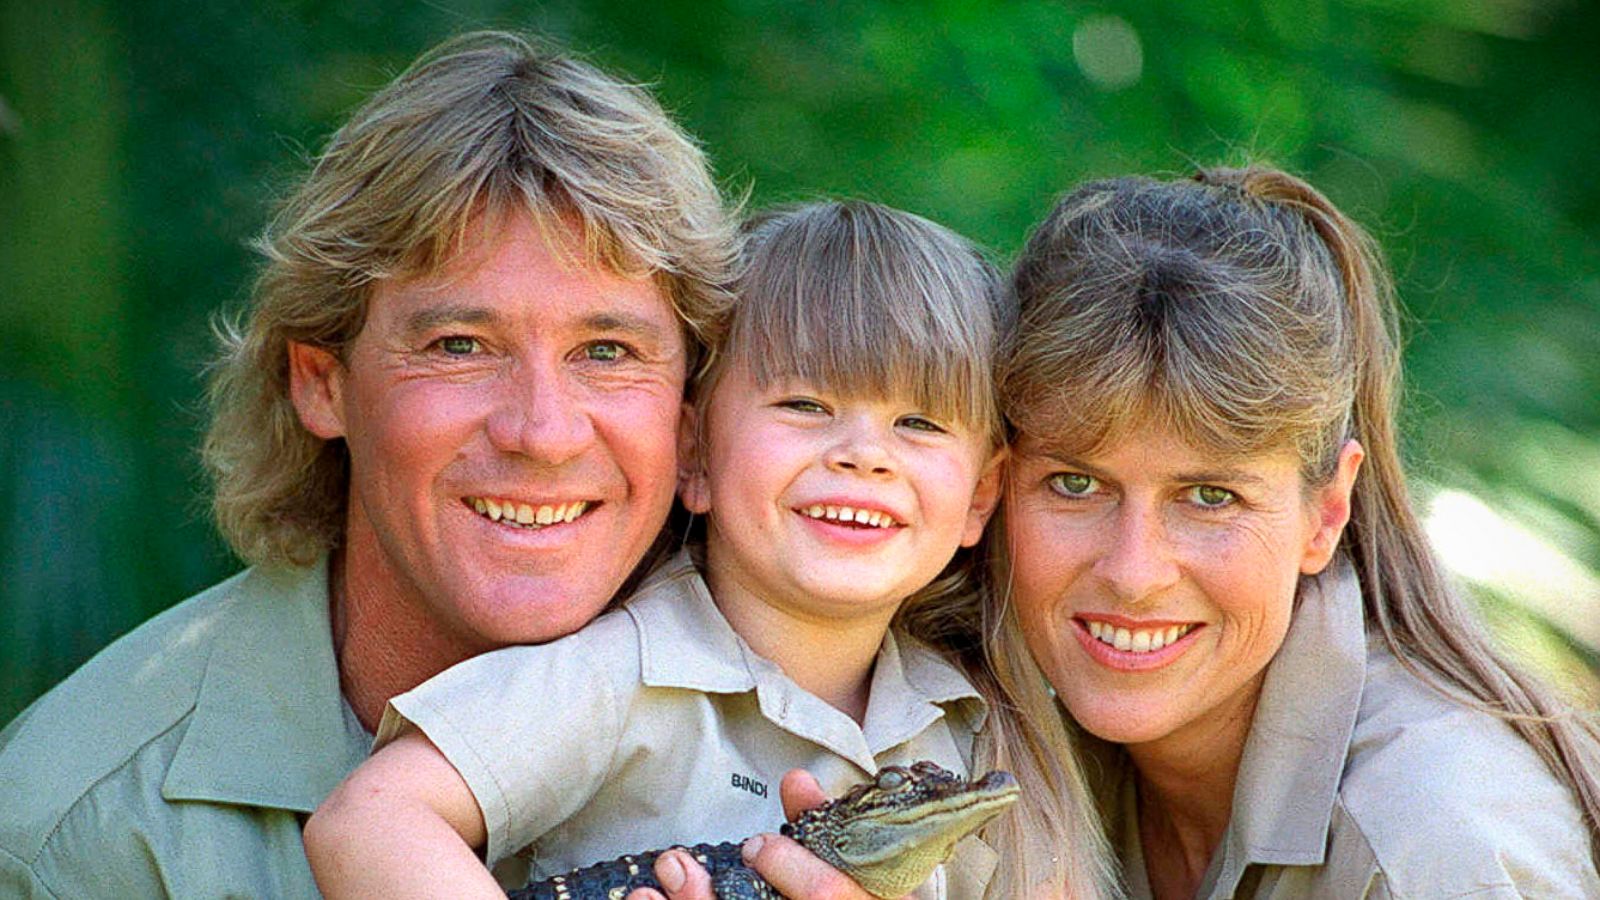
[(795, 871)]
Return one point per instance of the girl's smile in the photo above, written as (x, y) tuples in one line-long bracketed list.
[(825, 505)]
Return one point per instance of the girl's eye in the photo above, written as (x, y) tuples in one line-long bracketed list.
[(1210, 496), (1072, 484), (604, 351), (919, 423), (803, 404), (459, 345)]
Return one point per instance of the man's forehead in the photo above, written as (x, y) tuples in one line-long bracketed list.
[(514, 261)]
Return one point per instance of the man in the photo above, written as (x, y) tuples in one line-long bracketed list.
[(449, 424)]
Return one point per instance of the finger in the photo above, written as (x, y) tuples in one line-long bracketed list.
[(796, 872), (681, 877), (800, 792)]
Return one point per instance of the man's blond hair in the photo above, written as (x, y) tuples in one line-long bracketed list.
[(484, 125)]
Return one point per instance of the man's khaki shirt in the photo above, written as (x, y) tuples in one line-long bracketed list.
[(1359, 781), (182, 760), (657, 725)]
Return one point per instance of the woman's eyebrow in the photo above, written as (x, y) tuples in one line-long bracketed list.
[(1225, 475)]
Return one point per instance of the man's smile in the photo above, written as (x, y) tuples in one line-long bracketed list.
[(528, 515)]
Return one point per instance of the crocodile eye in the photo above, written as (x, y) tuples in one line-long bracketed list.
[(890, 779)]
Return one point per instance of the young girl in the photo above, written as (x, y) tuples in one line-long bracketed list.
[(843, 447)]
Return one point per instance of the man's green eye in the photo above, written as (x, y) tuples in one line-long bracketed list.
[(1071, 484), (604, 351), (458, 346), (1211, 495)]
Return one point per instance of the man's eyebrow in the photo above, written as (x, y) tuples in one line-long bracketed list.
[(641, 327), (424, 320)]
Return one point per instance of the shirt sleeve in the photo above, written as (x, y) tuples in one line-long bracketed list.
[(531, 729), (18, 880)]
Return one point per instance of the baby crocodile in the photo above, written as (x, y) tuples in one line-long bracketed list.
[(888, 834)]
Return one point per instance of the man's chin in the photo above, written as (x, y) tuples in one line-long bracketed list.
[(529, 610)]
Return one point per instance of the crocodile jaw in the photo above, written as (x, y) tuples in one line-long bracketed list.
[(890, 852)]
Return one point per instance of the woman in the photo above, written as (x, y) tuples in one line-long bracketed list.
[(1213, 557)]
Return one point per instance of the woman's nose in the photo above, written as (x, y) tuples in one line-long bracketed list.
[(1137, 561)]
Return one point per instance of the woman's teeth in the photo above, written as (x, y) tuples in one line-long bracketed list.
[(849, 515), (1140, 640), (523, 515)]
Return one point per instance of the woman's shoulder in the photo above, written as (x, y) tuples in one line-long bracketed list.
[(1450, 799)]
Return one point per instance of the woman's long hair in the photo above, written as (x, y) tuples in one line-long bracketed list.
[(1244, 311)]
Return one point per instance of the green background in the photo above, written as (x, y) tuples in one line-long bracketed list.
[(141, 144)]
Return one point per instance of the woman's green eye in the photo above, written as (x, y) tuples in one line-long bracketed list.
[(458, 346), (1071, 484), (1212, 496)]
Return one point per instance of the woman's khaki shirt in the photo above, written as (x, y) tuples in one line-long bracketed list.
[(1359, 781)]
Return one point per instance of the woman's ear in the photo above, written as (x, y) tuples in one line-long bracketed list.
[(985, 497), (1330, 509), (694, 489), (316, 387)]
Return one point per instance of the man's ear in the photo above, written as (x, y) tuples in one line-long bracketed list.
[(1330, 507), (316, 386), (694, 489), (985, 497)]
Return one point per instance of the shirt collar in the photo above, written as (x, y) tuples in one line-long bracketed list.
[(685, 642), (1294, 757), (270, 726)]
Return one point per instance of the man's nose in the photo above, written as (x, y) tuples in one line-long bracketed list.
[(540, 414)]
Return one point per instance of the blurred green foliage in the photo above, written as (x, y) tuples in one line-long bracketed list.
[(141, 144)]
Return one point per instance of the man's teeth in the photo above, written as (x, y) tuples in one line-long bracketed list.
[(871, 518), (1137, 640), (509, 512)]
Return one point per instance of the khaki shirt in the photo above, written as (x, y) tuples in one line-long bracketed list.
[(657, 725), (182, 760), (1359, 781)]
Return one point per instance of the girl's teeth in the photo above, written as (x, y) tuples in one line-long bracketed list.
[(848, 514)]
